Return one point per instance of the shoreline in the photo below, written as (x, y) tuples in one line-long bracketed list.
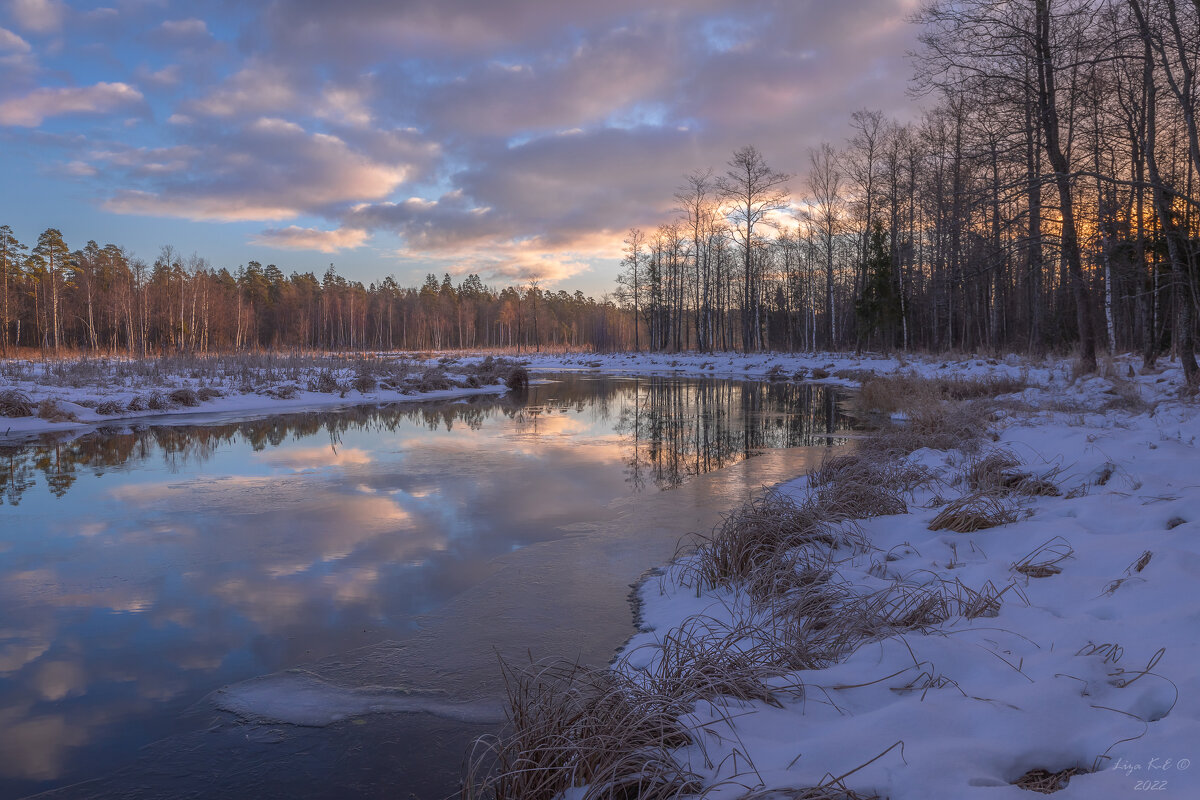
[(1075, 578)]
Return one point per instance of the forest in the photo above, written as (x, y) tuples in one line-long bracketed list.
[(102, 299), (1045, 198)]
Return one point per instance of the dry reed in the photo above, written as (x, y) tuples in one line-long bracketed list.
[(974, 512), (1046, 782), (571, 726), (15, 403)]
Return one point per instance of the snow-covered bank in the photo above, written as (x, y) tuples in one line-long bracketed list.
[(47, 396), (843, 368), (1064, 639), (1011, 613)]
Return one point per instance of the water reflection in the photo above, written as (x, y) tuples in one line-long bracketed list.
[(190, 556), (670, 428)]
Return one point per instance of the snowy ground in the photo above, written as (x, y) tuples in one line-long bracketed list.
[(1089, 662), (69, 395)]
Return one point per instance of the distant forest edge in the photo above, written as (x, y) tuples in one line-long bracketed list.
[(1047, 198)]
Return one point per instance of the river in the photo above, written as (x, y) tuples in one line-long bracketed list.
[(216, 607)]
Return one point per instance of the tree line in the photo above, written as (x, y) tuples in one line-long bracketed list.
[(102, 299), (1046, 198)]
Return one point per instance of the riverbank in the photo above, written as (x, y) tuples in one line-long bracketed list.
[(993, 595), (45, 396), (39, 397)]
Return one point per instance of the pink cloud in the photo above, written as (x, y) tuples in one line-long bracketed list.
[(271, 169), (39, 16), (297, 238), (102, 98)]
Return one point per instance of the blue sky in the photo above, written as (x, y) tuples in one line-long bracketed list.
[(513, 138)]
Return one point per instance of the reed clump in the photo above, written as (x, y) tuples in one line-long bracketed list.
[(571, 726), (999, 471), (52, 411), (14, 403), (975, 512), (185, 397), (518, 379), (1044, 781)]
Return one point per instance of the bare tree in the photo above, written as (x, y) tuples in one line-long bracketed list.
[(752, 191), (827, 211)]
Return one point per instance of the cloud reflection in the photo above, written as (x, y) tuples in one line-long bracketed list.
[(191, 557)]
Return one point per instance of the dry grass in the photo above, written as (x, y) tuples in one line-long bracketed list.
[(324, 382), (755, 536), (890, 394), (570, 726), (364, 383), (518, 379), (871, 467), (707, 659), (1125, 396), (1043, 562), (848, 500), (998, 471), (50, 410), (974, 512), (835, 792), (1046, 782), (185, 397), (940, 413), (14, 403), (110, 408)]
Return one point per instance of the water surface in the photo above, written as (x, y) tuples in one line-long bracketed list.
[(394, 548)]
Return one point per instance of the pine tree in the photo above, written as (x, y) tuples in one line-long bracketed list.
[(878, 309)]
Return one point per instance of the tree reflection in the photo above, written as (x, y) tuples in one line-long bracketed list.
[(671, 428), (683, 428)]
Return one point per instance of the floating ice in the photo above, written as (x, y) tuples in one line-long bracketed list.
[(301, 698)]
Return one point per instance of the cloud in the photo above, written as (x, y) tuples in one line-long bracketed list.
[(297, 238), (165, 78), (259, 89), (102, 98), (39, 16), (255, 89), (586, 85), (360, 30), (11, 43), (271, 169), (191, 28)]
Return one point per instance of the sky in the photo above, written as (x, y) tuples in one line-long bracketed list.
[(516, 139)]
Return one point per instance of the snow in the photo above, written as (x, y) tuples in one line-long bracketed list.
[(80, 396), (1090, 668)]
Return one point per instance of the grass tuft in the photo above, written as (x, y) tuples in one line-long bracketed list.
[(1043, 562), (110, 408), (998, 471), (50, 410), (974, 512), (185, 397), (571, 726), (15, 403), (1046, 782), (518, 379)]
